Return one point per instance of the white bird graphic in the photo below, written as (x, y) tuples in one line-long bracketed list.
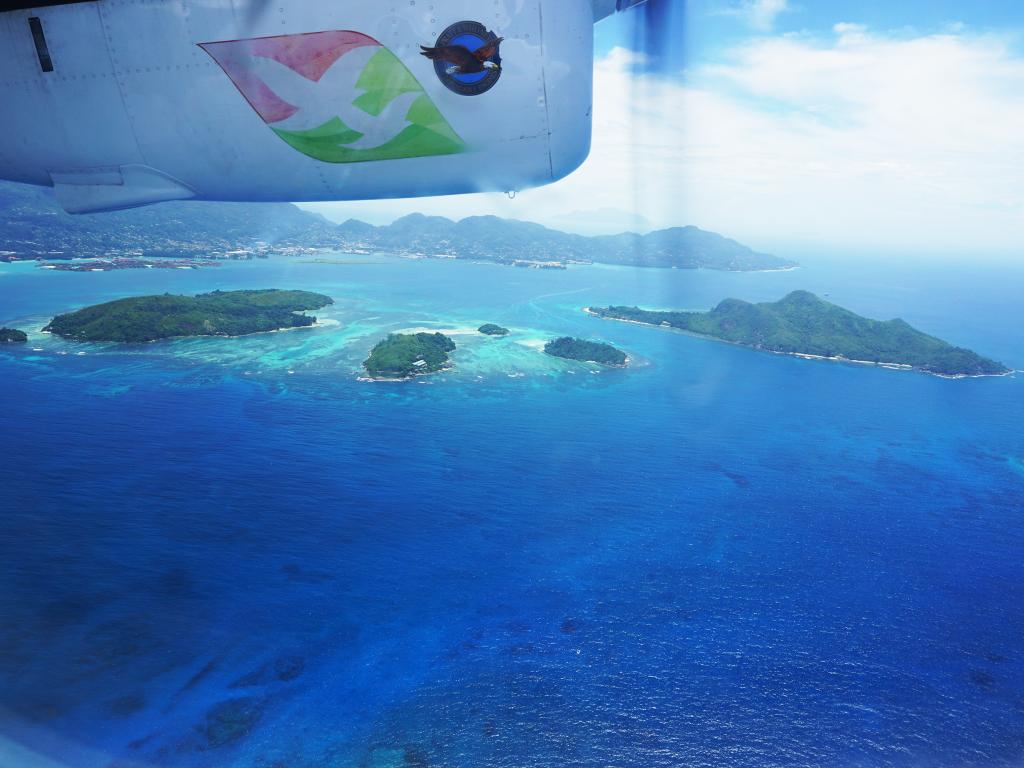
[(333, 96)]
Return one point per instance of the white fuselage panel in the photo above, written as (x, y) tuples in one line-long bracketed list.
[(134, 87)]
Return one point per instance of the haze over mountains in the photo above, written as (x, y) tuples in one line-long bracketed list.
[(507, 240), (32, 225)]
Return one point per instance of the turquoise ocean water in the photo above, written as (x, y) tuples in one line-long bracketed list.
[(233, 552)]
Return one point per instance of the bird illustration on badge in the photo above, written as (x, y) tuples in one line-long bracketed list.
[(461, 60), (467, 58), (338, 97)]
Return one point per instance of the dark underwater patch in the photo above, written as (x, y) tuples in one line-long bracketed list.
[(232, 720), (126, 706), (65, 612), (202, 674), (283, 669), (116, 643), (296, 573), (741, 481), (415, 757), (983, 680)]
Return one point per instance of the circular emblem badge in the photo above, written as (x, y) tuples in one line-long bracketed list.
[(467, 58)]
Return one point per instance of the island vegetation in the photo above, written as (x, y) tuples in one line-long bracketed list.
[(586, 351), (404, 355), (12, 336), (804, 324), (490, 329), (220, 313)]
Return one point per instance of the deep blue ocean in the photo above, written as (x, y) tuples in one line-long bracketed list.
[(233, 552)]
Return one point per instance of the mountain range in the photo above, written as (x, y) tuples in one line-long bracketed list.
[(32, 226), (508, 241)]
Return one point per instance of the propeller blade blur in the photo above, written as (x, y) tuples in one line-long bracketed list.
[(658, 30)]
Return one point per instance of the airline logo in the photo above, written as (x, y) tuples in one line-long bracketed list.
[(338, 97)]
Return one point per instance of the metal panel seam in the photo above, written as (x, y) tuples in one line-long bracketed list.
[(544, 85), (120, 84)]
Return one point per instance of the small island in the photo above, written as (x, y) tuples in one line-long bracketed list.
[(404, 355), (12, 336), (220, 313), (490, 329), (805, 325), (586, 351)]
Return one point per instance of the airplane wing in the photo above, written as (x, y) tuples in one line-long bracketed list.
[(124, 104)]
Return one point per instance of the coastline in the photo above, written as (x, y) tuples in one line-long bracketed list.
[(807, 355), (316, 324), (769, 269), (410, 377), (592, 362)]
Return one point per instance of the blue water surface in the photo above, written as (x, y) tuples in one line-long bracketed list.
[(236, 553)]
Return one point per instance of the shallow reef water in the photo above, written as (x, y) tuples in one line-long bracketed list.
[(233, 552)]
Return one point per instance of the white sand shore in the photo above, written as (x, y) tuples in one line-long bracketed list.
[(413, 377), (537, 344), (445, 331)]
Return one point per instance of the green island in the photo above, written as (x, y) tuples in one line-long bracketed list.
[(12, 336), (490, 329), (404, 355), (804, 324), (586, 351), (220, 313)]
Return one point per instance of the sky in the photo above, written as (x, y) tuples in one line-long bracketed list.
[(794, 124)]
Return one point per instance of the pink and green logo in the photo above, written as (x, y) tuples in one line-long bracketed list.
[(339, 97)]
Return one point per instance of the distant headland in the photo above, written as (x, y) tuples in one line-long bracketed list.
[(805, 325), (220, 313)]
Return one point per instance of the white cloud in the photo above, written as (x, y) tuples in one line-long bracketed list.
[(862, 140), (759, 14), (866, 139)]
